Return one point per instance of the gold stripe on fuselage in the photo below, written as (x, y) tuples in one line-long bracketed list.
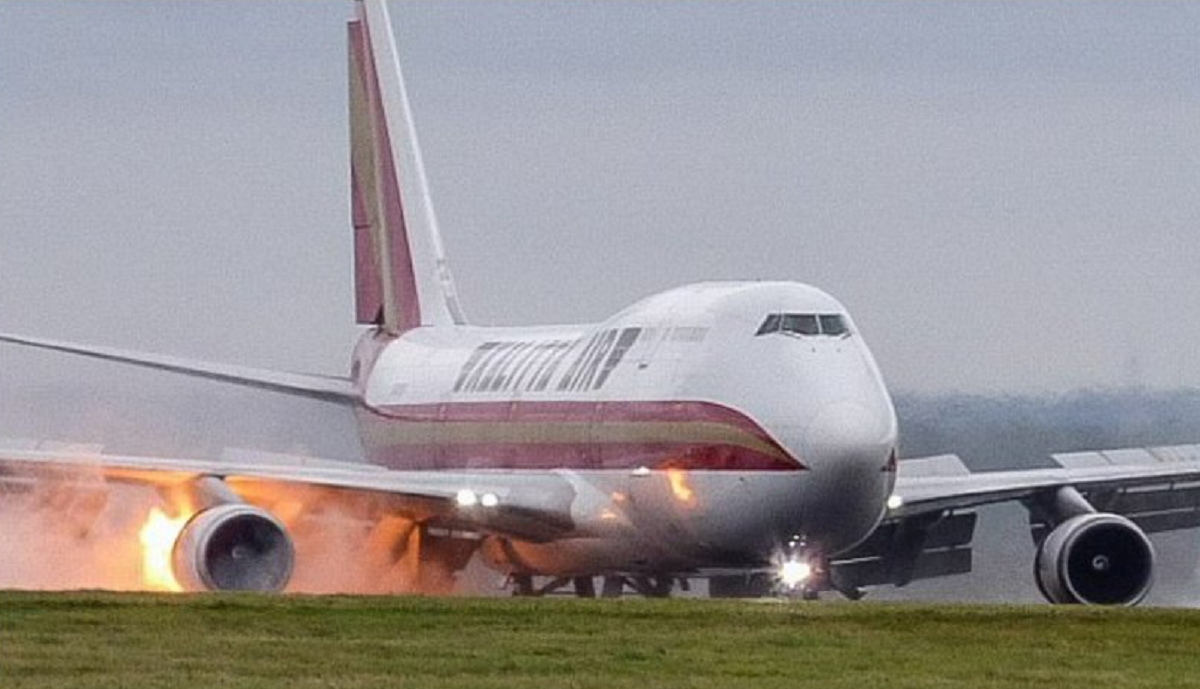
[(399, 432)]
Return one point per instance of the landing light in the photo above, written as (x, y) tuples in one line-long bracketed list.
[(793, 573), (466, 498), (489, 500), (895, 502)]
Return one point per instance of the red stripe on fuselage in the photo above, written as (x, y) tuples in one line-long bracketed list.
[(571, 435)]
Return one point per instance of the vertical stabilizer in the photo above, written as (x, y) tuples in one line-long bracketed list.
[(401, 277)]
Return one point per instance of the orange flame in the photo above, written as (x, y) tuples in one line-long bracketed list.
[(158, 536), (679, 486)]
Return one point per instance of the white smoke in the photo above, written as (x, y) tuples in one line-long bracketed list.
[(78, 532)]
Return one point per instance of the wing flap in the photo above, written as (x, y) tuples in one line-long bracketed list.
[(1165, 507), (1167, 521), (1129, 457), (881, 571), (903, 550)]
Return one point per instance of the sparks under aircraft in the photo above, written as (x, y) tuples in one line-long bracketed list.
[(738, 431)]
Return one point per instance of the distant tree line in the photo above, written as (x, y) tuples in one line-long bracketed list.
[(997, 432)]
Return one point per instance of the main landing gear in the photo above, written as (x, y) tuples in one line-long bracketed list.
[(612, 586)]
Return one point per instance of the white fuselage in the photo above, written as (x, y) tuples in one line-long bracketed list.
[(693, 436)]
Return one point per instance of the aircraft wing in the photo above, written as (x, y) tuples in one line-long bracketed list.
[(931, 520), (944, 482), (535, 509), (327, 388)]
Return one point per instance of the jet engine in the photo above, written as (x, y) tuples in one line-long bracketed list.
[(1095, 558), (233, 547)]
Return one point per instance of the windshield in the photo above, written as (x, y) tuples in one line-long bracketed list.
[(805, 324)]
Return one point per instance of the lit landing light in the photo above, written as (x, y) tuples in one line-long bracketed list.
[(793, 573), (895, 502), (158, 536), (467, 498)]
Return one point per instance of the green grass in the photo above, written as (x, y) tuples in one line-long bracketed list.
[(134, 640)]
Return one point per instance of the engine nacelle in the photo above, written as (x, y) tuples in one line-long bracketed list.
[(1095, 559), (233, 547)]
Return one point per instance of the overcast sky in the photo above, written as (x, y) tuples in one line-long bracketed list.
[(1005, 196)]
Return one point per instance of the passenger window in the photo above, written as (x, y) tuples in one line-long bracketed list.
[(801, 324), (833, 324), (771, 325)]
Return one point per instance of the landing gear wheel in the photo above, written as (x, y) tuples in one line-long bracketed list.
[(523, 585), (755, 585), (585, 587), (653, 587), (612, 587)]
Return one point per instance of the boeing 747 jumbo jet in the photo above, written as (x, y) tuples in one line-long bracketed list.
[(738, 432)]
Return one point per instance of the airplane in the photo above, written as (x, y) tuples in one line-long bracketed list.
[(738, 432)]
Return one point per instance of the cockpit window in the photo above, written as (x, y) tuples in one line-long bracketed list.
[(800, 323), (806, 324), (771, 325), (833, 324)]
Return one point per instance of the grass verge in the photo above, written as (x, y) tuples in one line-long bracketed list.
[(133, 641)]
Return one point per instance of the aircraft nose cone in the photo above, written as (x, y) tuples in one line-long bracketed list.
[(847, 448), (847, 433)]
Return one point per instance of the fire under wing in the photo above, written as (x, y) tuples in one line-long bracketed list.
[(928, 529), (536, 508)]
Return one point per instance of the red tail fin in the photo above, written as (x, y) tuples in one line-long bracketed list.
[(401, 277)]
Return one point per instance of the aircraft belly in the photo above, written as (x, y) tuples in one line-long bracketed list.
[(665, 521)]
